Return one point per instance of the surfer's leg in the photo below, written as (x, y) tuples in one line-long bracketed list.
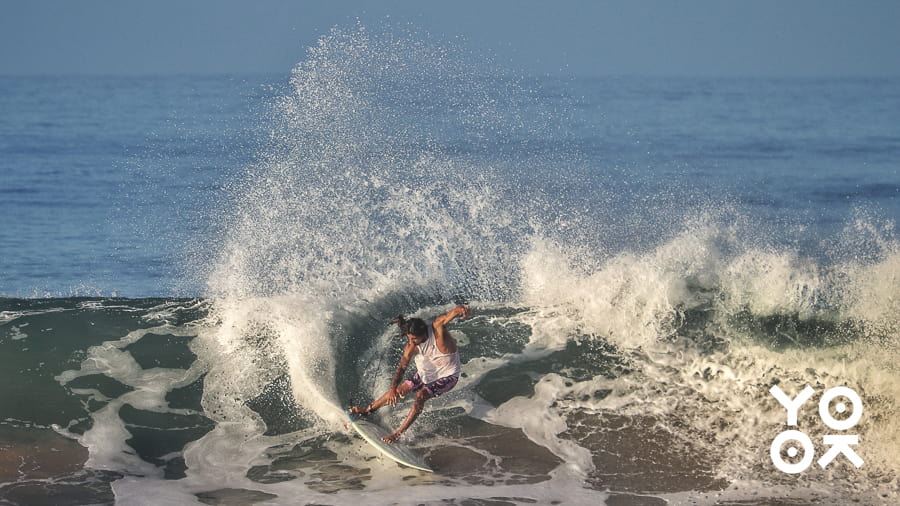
[(421, 396), (423, 393), (403, 389)]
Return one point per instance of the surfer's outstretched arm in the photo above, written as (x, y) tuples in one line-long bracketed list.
[(395, 393), (398, 388)]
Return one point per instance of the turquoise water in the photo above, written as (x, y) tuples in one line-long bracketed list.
[(199, 273)]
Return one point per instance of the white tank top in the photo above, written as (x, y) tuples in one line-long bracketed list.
[(432, 364)]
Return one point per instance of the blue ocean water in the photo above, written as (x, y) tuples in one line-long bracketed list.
[(108, 182), (105, 178), (197, 276)]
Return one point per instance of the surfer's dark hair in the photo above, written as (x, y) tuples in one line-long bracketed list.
[(414, 326)]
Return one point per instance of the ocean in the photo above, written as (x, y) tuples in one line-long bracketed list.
[(198, 275)]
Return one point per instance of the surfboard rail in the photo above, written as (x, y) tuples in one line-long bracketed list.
[(397, 452)]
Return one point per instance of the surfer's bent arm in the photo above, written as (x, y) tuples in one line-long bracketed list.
[(448, 317), (446, 343)]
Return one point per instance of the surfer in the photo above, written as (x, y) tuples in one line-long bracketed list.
[(437, 364)]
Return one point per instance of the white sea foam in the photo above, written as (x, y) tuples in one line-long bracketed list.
[(106, 439), (642, 303)]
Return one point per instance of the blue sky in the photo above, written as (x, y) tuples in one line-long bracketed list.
[(661, 37)]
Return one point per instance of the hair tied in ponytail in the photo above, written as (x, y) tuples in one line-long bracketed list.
[(415, 326)]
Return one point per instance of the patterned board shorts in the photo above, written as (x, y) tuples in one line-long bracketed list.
[(435, 388)]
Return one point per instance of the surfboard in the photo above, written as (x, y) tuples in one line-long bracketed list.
[(373, 433)]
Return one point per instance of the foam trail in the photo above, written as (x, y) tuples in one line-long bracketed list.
[(106, 440)]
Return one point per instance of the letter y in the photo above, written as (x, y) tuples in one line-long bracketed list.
[(792, 406)]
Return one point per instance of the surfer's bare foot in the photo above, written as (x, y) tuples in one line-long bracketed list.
[(391, 439), (360, 412)]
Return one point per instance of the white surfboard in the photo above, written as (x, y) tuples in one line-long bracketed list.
[(373, 433)]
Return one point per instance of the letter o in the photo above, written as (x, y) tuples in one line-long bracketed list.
[(830, 420), (775, 451)]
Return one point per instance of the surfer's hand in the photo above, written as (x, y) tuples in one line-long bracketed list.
[(463, 312), (392, 438), (393, 396)]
